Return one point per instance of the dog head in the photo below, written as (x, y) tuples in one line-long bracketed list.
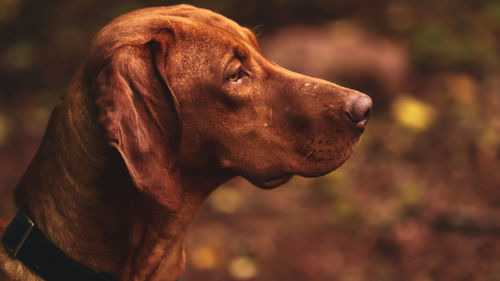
[(181, 86)]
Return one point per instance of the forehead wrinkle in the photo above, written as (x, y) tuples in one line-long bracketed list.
[(223, 40), (209, 18), (227, 26), (237, 42)]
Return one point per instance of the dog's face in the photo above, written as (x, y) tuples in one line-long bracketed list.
[(235, 109), (245, 113)]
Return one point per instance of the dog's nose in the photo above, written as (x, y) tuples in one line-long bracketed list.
[(358, 109)]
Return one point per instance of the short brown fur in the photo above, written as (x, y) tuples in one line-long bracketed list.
[(172, 102)]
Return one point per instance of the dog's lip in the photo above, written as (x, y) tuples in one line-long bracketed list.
[(273, 182)]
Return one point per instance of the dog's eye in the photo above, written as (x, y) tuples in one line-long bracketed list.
[(234, 77)]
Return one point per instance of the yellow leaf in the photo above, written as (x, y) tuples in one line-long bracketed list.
[(413, 113), (204, 258), (489, 140), (226, 200), (243, 268)]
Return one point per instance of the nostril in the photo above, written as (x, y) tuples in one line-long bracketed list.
[(367, 114), (359, 109)]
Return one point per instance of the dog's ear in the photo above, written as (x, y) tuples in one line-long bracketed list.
[(138, 114)]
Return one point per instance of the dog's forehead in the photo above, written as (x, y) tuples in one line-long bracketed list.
[(190, 16), (211, 19), (140, 26)]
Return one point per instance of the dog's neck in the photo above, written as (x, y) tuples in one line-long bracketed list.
[(78, 192)]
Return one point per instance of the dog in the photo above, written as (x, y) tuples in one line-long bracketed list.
[(170, 103)]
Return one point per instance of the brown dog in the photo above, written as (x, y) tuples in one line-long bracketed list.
[(172, 102)]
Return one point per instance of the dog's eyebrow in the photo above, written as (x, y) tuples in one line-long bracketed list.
[(240, 53), (226, 61), (237, 53)]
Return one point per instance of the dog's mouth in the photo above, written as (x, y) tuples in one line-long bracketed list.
[(272, 182)]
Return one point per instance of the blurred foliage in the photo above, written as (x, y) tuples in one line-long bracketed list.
[(243, 268), (204, 258), (412, 113), (5, 128), (419, 199)]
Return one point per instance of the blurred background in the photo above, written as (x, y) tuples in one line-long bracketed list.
[(420, 198)]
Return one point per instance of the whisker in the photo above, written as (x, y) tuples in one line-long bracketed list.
[(308, 143), (307, 155)]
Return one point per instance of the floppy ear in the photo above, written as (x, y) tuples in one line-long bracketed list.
[(137, 112)]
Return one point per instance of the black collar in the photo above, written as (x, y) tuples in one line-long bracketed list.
[(24, 241)]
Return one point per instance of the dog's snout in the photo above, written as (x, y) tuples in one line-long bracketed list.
[(358, 109)]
